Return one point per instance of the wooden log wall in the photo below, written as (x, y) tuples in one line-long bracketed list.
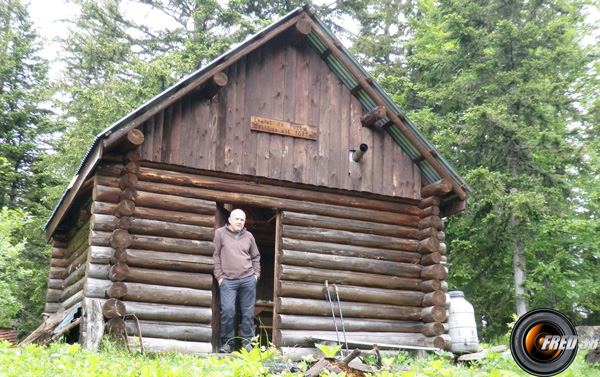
[(377, 265), (151, 256), (67, 265), (375, 256), (433, 250)]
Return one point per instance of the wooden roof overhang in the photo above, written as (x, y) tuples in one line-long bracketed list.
[(432, 165)]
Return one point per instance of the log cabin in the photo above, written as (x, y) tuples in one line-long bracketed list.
[(337, 183)]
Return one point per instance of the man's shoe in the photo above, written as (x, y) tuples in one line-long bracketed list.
[(225, 348), (248, 347)]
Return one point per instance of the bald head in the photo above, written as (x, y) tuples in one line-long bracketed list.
[(237, 219)]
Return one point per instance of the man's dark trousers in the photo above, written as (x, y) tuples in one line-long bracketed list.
[(245, 288)]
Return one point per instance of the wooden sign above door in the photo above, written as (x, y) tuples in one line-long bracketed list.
[(280, 127)]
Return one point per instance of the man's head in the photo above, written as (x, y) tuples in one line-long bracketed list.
[(237, 218)]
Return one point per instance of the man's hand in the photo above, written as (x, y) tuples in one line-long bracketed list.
[(220, 281), (256, 277)]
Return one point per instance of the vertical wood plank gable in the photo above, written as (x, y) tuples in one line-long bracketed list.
[(166, 140), (334, 133), (174, 156), (314, 104), (324, 127), (252, 103), (241, 125), (277, 104), (230, 113), (265, 83), (289, 108), (157, 137), (301, 145)]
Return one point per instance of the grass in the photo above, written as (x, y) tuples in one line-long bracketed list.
[(70, 360)]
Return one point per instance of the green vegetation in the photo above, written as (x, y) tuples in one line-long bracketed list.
[(69, 360)]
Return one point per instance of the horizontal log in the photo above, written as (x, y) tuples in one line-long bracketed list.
[(74, 276), (438, 188), (134, 155), (165, 199), (118, 272), (317, 275), (113, 308), (73, 300), (57, 273), (120, 239), (431, 222), (175, 313), (218, 81), (312, 323), (336, 262), (166, 229), (177, 245), (132, 140), (288, 305), (430, 201), (351, 293), (435, 298), (326, 222), (53, 295), (435, 271), (58, 252), (79, 261), (97, 271), (429, 259), (431, 232), (299, 32), (237, 198), (72, 289), (428, 245), (125, 208), (102, 208), (58, 262), (170, 279), (157, 345), (434, 329), (350, 250), (79, 238), (429, 211), (166, 260), (96, 288), (442, 249), (443, 342), (55, 283), (52, 307), (304, 338), (251, 187), (373, 116), (433, 285), (100, 254), (128, 180), (132, 167), (170, 330), (59, 240), (433, 314), (104, 223), (352, 238), (159, 294)]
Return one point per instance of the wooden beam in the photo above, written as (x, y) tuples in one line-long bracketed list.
[(393, 117), (215, 84), (373, 116), (300, 31)]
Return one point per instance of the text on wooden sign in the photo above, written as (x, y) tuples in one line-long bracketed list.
[(283, 128)]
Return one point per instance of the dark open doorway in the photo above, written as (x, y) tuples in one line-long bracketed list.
[(261, 223)]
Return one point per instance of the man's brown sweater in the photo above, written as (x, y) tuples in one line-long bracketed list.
[(236, 255)]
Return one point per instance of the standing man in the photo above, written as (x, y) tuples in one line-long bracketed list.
[(237, 269)]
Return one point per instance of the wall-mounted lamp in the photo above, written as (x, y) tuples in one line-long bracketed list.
[(358, 154)]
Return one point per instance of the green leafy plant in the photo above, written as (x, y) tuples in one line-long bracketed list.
[(329, 351)]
